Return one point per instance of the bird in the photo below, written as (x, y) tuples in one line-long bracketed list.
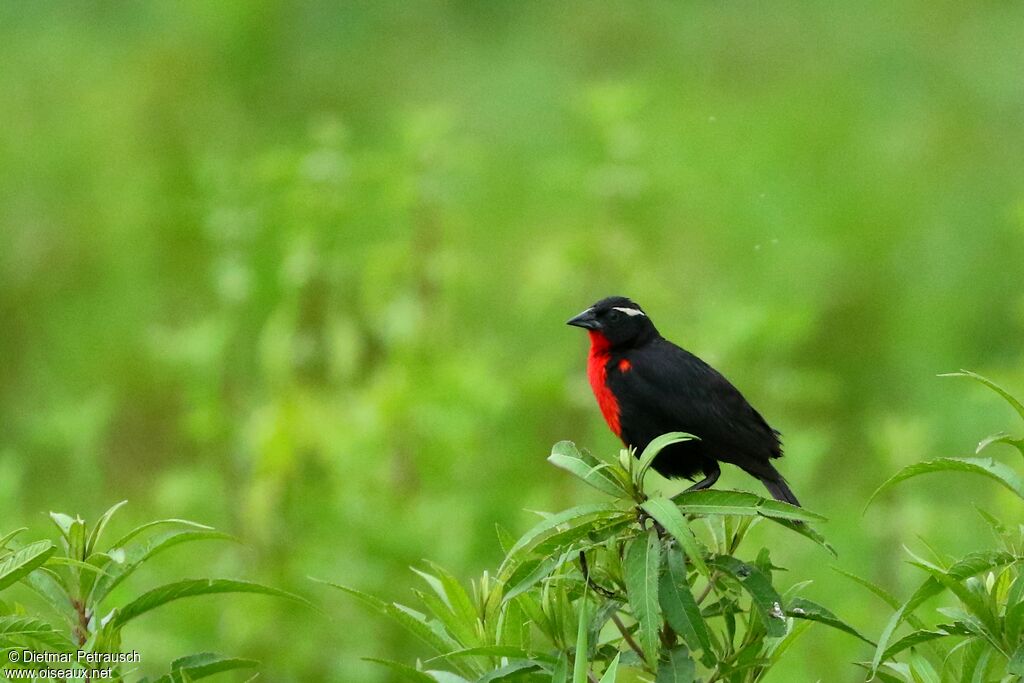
[(647, 386)]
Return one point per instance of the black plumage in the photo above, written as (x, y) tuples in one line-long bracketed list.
[(647, 386)]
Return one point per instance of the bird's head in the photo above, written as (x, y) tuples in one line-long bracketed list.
[(616, 322)]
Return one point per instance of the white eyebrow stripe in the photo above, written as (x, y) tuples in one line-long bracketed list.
[(629, 311)]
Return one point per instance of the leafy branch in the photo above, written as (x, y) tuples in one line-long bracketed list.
[(982, 637), (76, 576), (606, 591)]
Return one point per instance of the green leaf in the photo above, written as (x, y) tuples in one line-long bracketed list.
[(976, 659), (413, 621), (665, 513), (555, 601), (718, 502), (527, 575), (677, 668), (101, 524), (581, 660), (1007, 396), (561, 672), (511, 671), (607, 608), (505, 539), (970, 565), (913, 640), (681, 609), (74, 535), (496, 651), (49, 585), (576, 516), (997, 471), (403, 670), (566, 541), (61, 561), (1013, 621), (971, 626), (190, 588), (534, 612), (455, 595), (885, 595), (975, 602), (566, 456), (777, 649), (22, 562), (652, 450), (765, 598), (801, 608), (807, 531), (997, 527), (203, 665), (4, 540), (612, 671), (463, 632), (922, 670), (446, 677), (1000, 438), (1016, 592), (886, 676), (640, 568), (63, 522), (1016, 665), (15, 629), (926, 590), (975, 563), (137, 555), (513, 626), (123, 541)]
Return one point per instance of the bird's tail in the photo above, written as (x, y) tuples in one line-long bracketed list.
[(780, 490)]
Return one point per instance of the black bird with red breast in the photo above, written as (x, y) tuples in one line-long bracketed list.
[(646, 386)]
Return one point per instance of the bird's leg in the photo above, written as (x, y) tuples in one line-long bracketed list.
[(711, 473)]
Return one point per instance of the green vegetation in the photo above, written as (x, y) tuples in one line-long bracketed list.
[(75, 582), (640, 556), (554, 609), (299, 271), (981, 637)]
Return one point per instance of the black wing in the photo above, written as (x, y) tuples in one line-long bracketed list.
[(669, 389)]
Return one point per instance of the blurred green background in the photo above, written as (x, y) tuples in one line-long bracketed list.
[(300, 271)]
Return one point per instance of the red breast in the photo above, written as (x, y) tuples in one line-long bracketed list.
[(597, 372)]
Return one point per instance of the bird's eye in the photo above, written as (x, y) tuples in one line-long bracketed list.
[(614, 315)]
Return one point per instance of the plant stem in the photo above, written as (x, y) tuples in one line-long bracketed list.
[(82, 630), (628, 638), (707, 588)]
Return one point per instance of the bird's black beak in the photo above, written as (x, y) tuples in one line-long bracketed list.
[(587, 320)]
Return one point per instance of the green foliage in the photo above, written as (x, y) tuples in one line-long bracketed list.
[(202, 665), (625, 590), (980, 637), (291, 268), (626, 574), (76, 578)]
